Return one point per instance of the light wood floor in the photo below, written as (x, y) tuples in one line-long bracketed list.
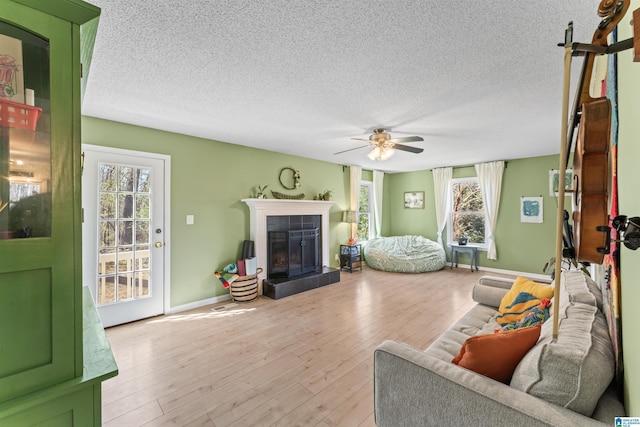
[(304, 360)]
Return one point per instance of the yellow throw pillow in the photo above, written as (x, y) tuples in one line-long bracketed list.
[(520, 285)]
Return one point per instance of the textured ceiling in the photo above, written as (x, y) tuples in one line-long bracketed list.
[(478, 80)]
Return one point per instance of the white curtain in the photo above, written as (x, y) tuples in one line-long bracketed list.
[(490, 178), (442, 194), (356, 177), (378, 179)]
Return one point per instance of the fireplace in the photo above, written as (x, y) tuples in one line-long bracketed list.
[(293, 245), (305, 218)]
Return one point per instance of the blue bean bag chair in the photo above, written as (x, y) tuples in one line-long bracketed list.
[(404, 254)]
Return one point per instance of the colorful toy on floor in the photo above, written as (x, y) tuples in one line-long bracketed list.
[(226, 278)]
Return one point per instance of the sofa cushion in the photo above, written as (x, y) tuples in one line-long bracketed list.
[(574, 370), (473, 322), (497, 355), (488, 294), (576, 287)]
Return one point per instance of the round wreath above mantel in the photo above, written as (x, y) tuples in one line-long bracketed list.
[(289, 182)]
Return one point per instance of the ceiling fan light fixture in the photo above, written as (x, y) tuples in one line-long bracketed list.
[(383, 147), (381, 153), (387, 153), (379, 135), (374, 154)]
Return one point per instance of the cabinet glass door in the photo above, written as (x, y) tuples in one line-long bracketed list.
[(25, 137)]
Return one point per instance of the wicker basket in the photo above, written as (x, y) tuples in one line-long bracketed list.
[(245, 288)]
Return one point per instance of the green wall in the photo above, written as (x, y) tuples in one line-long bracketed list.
[(520, 246), (208, 179), (401, 221), (629, 204)]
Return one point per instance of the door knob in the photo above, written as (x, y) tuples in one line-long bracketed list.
[(158, 244)]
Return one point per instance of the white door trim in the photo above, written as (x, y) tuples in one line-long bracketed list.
[(167, 208)]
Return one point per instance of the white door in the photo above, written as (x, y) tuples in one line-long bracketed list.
[(124, 235)]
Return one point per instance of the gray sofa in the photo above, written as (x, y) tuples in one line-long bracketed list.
[(563, 382)]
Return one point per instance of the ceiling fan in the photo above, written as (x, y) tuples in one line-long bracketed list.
[(384, 146)]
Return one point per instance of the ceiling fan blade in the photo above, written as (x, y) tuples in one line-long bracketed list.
[(351, 149), (407, 139), (408, 148), (361, 139)]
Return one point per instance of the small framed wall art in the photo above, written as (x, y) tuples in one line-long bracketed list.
[(414, 200), (531, 209), (554, 180)]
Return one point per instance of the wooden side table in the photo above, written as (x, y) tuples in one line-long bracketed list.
[(471, 249), (350, 257)]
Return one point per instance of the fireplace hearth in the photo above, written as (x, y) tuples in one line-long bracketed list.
[(280, 288)]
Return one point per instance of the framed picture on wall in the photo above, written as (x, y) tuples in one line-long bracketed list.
[(554, 180), (414, 200), (531, 209)]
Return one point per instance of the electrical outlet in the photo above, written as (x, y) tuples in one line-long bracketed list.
[(337, 257)]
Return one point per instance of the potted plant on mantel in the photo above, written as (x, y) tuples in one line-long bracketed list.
[(260, 191), (326, 195)]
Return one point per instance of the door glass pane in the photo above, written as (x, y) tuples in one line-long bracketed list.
[(125, 286), (142, 258), (25, 135), (107, 233), (142, 283), (125, 205), (125, 259), (124, 233), (106, 289), (107, 261), (143, 180), (107, 205), (125, 178), (142, 206), (142, 232), (107, 178)]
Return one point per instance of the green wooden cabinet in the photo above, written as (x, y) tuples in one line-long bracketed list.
[(45, 322)]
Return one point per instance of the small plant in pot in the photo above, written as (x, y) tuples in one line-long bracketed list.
[(260, 191), (463, 240)]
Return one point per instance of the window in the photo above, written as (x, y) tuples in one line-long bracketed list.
[(467, 214), (21, 190), (365, 213)]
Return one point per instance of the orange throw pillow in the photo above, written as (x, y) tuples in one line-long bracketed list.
[(497, 355)]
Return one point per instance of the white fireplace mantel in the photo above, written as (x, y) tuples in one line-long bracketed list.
[(260, 209)]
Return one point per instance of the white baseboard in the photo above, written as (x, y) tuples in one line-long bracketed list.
[(214, 300), (536, 276), (518, 273), (198, 304)]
